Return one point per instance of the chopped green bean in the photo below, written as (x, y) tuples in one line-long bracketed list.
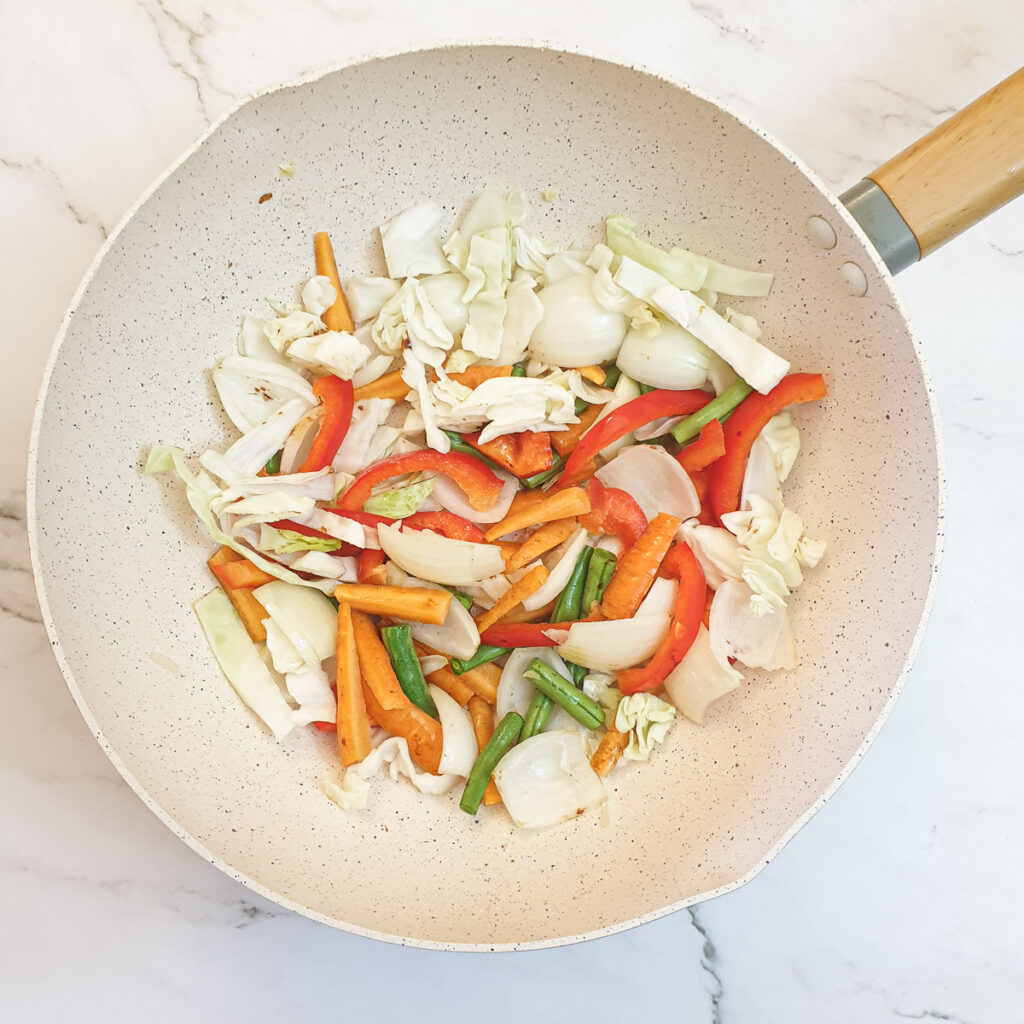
[(567, 607), (504, 736), (540, 479), (553, 684), (483, 654), (519, 370), (537, 715), (718, 407), (599, 572), (273, 466), (578, 672), (581, 406), (406, 663)]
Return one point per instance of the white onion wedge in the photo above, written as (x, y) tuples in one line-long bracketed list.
[(458, 741), (614, 644), (700, 679), (440, 559), (558, 572), (457, 636), (451, 497), (548, 779), (515, 691), (758, 641), (655, 479)]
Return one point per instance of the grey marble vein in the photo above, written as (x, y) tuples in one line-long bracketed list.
[(709, 961), (55, 184), (727, 29)]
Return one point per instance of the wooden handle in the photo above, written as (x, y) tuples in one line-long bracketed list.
[(963, 170)]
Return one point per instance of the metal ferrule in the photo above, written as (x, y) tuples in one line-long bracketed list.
[(882, 223)]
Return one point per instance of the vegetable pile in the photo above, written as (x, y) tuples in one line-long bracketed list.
[(493, 518)]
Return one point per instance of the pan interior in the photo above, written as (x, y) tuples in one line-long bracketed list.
[(121, 556)]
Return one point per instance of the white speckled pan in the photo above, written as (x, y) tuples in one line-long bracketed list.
[(119, 557)]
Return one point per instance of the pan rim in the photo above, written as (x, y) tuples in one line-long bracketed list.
[(33, 524)]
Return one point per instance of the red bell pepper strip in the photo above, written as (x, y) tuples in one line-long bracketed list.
[(709, 446), (448, 524), (521, 634), (480, 484), (687, 615), (652, 406), (371, 566), (742, 428), (335, 395), (613, 512), (523, 454)]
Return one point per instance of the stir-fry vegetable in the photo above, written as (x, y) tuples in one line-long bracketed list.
[(503, 482)]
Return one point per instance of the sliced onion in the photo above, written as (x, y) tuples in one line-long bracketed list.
[(563, 563), (672, 358), (761, 476), (430, 663), (660, 598), (700, 679), (657, 428), (251, 452), (575, 329), (515, 691), (717, 550), (548, 779), (615, 644), (305, 615), (458, 741), (655, 479), (451, 497), (758, 641), (440, 559), (457, 636)]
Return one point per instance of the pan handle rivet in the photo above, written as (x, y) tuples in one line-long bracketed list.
[(856, 282), (820, 232)]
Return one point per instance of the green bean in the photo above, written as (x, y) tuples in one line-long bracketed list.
[(644, 388), (540, 479), (504, 736), (537, 715), (483, 654), (518, 370), (578, 672), (567, 607), (611, 376), (554, 685), (580, 407), (717, 408), (600, 571), (406, 663), (464, 599), (273, 466)]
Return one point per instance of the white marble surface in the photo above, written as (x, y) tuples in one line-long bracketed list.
[(902, 900)]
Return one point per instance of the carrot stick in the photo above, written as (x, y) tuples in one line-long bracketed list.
[(390, 707), (476, 375), (595, 374), (390, 385), (240, 573), (250, 611), (573, 501), (416, 603), (565, 440), (483, 728), (445, 679), (337, 318), (483, 680), (353, 725), (516, 594), (609, 750), (638, 567), (548, 536)]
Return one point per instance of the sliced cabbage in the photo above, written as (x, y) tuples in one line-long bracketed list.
[(717, 550), (445, 294), (240, 661), (783, 440), (318, 295), (681, 267), (647, 719), (250, 453), (411, 240), (358, 450), (336, 352), (440, 559), (547, 779), (415, 375), (523, 311), (654, 479), (367, 296), (700, 678), (575, 329), (399, 502), (289, 541), (310, 688)]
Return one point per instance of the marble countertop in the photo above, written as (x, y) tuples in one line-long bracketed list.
[(901, 900)]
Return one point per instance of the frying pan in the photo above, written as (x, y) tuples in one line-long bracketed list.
[(119, 557)]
